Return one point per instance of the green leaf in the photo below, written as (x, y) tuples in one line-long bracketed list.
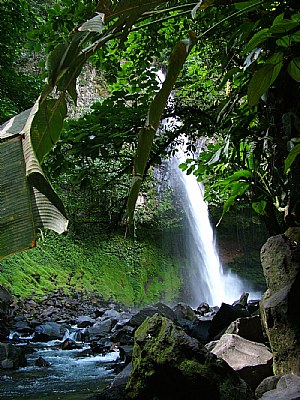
[(228, 203), (94, 24), (283, 26), (260, 83), (291, 157), (294, 69), (257, 39), (244, 173), (47, 125), (202, 5), (285, 41), (259, 207), (238, 188), (53, 62), (245, 4)]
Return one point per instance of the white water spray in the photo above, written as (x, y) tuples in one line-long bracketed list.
[(207, 281)]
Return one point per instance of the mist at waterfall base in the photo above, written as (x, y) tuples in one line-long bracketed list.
[(205, 280)]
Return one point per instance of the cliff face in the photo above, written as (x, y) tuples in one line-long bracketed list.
[(240, 237)]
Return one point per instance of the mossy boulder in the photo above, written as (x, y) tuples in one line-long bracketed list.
[(169, 364)]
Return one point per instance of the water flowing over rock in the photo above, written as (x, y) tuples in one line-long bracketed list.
[(280, 258), (170, 365)]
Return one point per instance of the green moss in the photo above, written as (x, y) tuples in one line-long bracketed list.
[(127, 271)]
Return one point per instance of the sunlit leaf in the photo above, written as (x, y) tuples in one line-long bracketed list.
[(294, 69), (257, 39), (245, 4), (291, 157), (47, 125), (259, 207), (260, 83), (94, 24)]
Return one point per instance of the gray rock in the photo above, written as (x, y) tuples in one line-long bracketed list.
[(99, 329), (252, 361), (267, 384), (83, 321), (287, 388), (49, 331)]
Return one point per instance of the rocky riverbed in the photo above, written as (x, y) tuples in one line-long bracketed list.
[(71, 346)]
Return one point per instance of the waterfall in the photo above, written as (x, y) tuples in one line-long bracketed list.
[(205, 277), (206, 280)]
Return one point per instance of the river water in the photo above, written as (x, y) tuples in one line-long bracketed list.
[(69, 377)]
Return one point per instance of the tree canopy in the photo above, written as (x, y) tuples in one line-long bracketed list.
[(235, 69)]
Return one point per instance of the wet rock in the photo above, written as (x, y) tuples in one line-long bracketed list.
[(123, 335), (69, 344), (116, 391), (11, 356), (203, 308), (169, 364), (287, 388), (253, 361), (99, 329), (42, 363), (49, 331)]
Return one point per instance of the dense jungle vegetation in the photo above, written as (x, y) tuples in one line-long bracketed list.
[(234, 69)]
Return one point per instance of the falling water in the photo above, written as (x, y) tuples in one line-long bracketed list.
[(207, 281), (206, 278)]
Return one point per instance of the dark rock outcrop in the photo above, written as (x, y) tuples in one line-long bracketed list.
[(170, 365), (249, 328), (12, 357), (280, 258)]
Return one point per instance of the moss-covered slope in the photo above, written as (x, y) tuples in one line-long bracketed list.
[(132, 272)]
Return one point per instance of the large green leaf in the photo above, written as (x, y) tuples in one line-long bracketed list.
[(294, 68), (257, 39), (291, 157), (47, 125), (156, 108), (260, 83)]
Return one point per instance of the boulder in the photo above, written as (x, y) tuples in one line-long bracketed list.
[(280, 258), (116, 390), (253, 361), (49, 331), (99, 329), (5, 301), (267, 384), (12, 357), (83, 321), (224, 317), (168, 364), (41, 363), (287, 388), (183, 311), (149, 311), (199, 329), (249, 328)]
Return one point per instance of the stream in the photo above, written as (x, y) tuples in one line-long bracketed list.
[(70, 376)]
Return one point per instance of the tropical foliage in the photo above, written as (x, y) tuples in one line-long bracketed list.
[(239, 87)]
